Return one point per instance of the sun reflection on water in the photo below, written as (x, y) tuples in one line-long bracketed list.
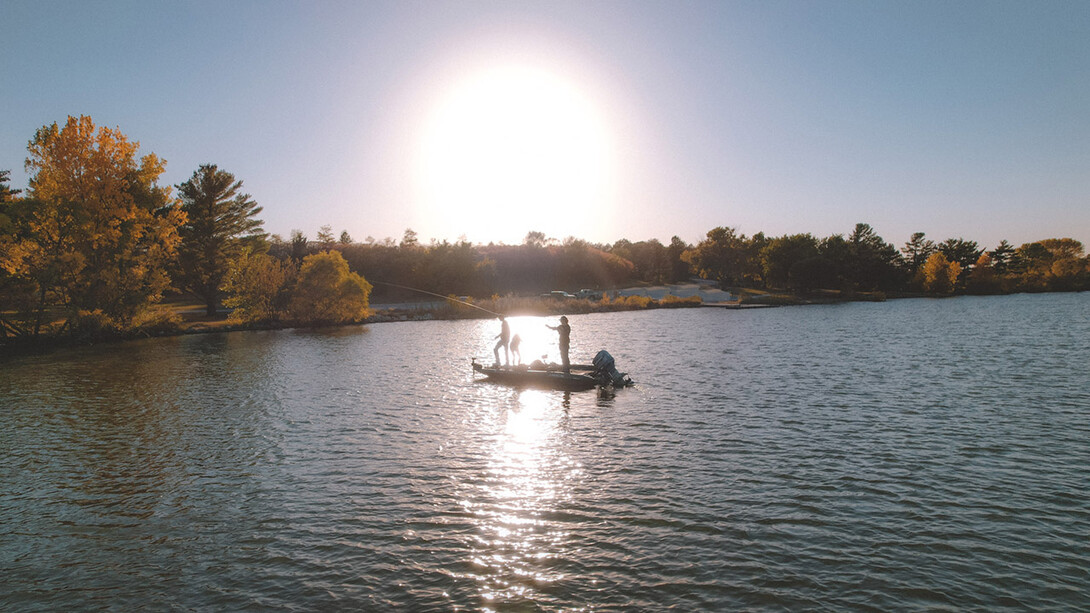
[(527, 479)]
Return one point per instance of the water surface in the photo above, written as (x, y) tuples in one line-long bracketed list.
[(908, 455)]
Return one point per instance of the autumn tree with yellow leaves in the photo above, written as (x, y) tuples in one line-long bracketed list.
[(95, 233), (940, 275), (257, 287), (327, 292)]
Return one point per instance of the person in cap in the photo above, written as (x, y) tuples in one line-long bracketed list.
[(565, 340)]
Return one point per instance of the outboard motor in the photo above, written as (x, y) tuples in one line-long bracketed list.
[(606, 371)]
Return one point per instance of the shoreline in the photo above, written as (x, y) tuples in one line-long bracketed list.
[(195, 321), (636, 299)]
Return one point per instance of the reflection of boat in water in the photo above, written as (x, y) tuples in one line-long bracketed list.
[(602, 373)]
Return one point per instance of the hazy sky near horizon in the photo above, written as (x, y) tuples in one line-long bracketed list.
[(595, 119)]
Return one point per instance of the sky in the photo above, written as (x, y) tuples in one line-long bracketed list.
[(598, 120)]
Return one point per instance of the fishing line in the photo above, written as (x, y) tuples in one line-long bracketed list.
[(413, 289)]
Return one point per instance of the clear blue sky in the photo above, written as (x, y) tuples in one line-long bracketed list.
[(955, 118)]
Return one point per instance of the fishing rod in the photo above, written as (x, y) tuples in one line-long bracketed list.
[(413, 289)]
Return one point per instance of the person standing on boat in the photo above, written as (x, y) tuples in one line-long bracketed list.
[(565, 340), (516, 357), (505, 339)]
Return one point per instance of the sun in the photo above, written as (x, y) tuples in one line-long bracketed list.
[(512, 149)]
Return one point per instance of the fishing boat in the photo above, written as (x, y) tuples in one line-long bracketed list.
[(601, 373)]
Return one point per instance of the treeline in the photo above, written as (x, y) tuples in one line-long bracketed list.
[(464, 269), (95, 243), (864, 261), (800, 264)]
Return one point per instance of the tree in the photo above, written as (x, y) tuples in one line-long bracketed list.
[(679, 268), (780, 255), (221, 223), (1063, 267), (812, 273), (982, 278), (1001, 256), (256, 286), (534, 239), (1069, 274), (346, 238), (725, 256), (30, 270), (17, 291), (1070, 270), (325, 237), (449, 269), (959, 250), (7, 198), (1063, 248), (327, 292), (100, 231), (6, 193), (650, 260), (873, 263), (837, 254), (916, 251), (940, 276), (298, 245), (1050, 264)]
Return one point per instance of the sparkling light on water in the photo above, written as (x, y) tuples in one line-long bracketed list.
[(910, 455)]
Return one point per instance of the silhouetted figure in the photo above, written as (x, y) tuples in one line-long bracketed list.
[(505, 339), (565, 339), (516, 357)]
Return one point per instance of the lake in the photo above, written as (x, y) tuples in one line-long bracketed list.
[(906, 455)]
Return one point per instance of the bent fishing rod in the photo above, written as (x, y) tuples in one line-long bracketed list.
[(413, 289)]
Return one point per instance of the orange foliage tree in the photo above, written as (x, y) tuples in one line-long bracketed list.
[(940, 275), (327, 292), (98, 231), (257, 285)]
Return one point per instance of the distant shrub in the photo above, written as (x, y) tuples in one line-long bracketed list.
[(670, 300), (636, 302), (327, 292)]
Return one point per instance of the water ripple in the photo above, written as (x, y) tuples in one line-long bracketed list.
[(910, 455)]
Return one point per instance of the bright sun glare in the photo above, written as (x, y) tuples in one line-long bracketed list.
[(510, 150)]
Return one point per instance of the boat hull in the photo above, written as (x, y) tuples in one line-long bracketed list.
[(548, 379)]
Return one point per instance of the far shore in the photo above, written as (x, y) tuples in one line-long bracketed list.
[(192, 317)]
